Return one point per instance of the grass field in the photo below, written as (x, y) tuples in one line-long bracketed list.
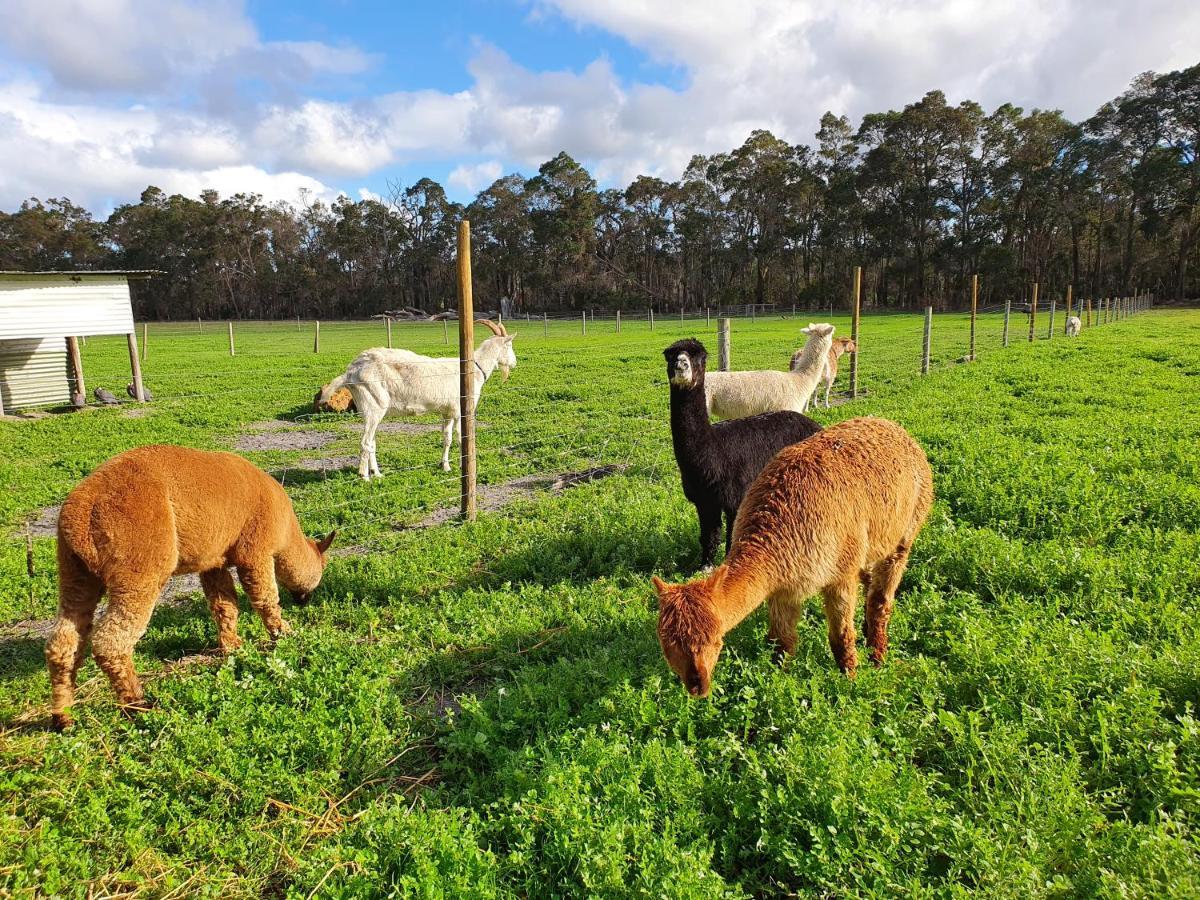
[(483, 710)]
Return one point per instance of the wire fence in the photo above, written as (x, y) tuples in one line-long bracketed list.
[(535, 436)]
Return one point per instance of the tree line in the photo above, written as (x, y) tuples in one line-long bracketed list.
[(921, 197)]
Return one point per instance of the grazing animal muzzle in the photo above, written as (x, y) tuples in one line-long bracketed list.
[(681, 372)]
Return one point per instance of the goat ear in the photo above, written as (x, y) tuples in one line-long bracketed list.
[(326, 542)]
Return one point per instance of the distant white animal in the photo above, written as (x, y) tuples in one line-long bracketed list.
[(1073, 326), (408, 384), (734, 395)]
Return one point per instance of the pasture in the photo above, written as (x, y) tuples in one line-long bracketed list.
[(483, 709)]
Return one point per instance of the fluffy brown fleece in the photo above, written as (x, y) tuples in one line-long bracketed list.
[(841, 507), (340, 400), (159, 511)]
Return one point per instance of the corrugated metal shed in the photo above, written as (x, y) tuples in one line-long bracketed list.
[(62, 304), (34, 372)]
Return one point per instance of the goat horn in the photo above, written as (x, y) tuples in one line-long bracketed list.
[(497, 330)]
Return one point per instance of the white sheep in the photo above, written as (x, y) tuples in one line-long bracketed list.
[(1073, 326), (400, 381), (734, 395)]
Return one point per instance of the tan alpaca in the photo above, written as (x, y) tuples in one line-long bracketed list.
[(841, 507), (159, 511), (829, 374)]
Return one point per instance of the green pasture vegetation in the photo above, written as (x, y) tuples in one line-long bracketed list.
[(483, 710)]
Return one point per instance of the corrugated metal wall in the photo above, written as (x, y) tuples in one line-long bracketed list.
[(58, 306), (34, 372)]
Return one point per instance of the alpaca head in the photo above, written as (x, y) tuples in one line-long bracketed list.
[(303, 578), (845, 345), (818, 330), (686, 361), (689, 631)]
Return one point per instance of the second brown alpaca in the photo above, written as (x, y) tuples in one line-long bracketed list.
[(159, 511), (837, 509), (829, 374)]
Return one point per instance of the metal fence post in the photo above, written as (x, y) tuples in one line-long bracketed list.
[(974, 311), (1033, 313)]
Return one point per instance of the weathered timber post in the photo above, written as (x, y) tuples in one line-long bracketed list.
[(925, 341), (466, 371), (854, 321), (723, 346)]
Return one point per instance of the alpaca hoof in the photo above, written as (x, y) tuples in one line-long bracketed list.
[(136, 707), (285, 627), (229, 646), (61, 721)]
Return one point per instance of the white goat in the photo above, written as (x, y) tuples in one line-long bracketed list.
[(406, 383), (1074, 324), (734, 395)]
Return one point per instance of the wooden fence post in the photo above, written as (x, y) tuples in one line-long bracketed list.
[(974, 311), (1007, 314), (1050, 329), (139, 392), (231, 350), (707, 318), (1088, 321), (618, 321), (76, 369), (545, 325), (681, 315), (925, 342), (466, 370), (317, 336), (1067, 320), (584, 320), (145, 339), (652, 318), (1033, 312), (388, 319), (857, 312), (723, 346), (199, 325), (445, 331)]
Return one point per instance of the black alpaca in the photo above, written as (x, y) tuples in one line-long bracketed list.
[(718, 463)]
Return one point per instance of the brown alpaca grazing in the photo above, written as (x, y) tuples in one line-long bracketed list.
[(340, 400), (159, 511), (841, 507)]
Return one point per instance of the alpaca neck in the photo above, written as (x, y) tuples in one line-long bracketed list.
[(690, 427), (741, 590), (814, 354), (299, 563)]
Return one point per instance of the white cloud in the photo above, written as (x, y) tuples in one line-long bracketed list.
[(70, 129), (474, 178)]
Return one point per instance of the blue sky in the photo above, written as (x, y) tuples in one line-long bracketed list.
[(306, 100)]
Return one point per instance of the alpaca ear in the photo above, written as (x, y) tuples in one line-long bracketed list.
[(326, 542), (659, 584)]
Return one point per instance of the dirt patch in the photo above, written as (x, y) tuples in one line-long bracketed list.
[(177, 592), (492, 497), (135, 412), (328, 464), (46, 523), (270, 425), (394, 427), (294, 439)]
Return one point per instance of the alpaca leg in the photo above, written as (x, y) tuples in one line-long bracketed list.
[(78, 593), (783, 611), (259, 582), (222, 603), (840, 601), (447, 437), (119, 630), (710, 533), (881, 600), (828, 388)]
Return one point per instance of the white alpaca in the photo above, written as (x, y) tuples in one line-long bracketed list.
[(408, 384), (1073, 326), (734, 395), (829, 372)]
